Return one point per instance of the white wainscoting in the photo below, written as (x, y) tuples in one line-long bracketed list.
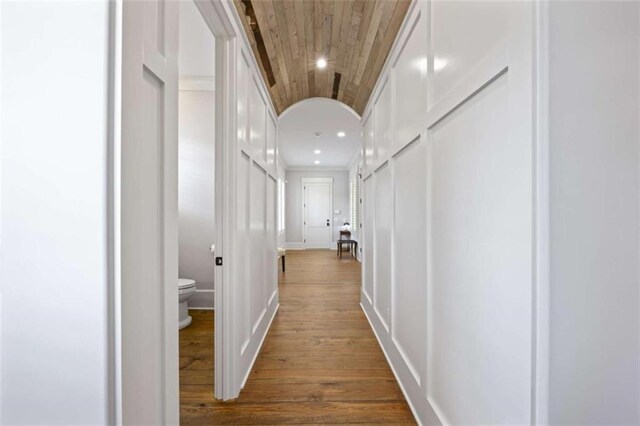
[(448, 219), (253, 237)]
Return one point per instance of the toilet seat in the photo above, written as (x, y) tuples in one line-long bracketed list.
[(184, 283)]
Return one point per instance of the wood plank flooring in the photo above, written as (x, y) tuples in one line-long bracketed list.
[(320, 362)]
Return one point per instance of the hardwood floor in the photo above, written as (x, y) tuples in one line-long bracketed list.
[(320, 362)]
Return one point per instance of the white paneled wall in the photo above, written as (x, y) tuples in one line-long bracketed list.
[(382, 123), (270, 153), (255, 283), (369, 237), (282, 176), (480, 264), (369, 134), (271, 241), (257, 298), (409, 79), (258, 120), (382, 244), (448, 190), (409, 329), (501, 217)]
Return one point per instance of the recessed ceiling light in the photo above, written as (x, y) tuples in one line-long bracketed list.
[(321, 63), (341, 134), (317, 151), (317, 162)]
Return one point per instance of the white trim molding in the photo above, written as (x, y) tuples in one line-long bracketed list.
[(294, 246), (203, 299), (542, 278)]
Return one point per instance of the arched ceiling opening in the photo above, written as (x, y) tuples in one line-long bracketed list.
[(289, 36), (319, 132)]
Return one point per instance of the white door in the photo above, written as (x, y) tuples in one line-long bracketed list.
[(317, 212), (148, 213)]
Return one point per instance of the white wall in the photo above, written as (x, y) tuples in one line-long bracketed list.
[(196, 146), (448, 190), (197, 50), (54, 366), (294, 202), (593, 128)]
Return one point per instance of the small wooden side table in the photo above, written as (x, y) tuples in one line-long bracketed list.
[(353, 247)]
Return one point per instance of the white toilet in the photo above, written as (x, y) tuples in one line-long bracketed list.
[(186, 289)]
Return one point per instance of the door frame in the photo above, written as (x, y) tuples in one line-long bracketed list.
[(220, 25), (219, 17), (231, 41), (304, 181)]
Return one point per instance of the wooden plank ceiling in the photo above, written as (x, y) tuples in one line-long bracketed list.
[(289, 36)]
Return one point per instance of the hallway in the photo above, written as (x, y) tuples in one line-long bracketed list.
[(320, 362)]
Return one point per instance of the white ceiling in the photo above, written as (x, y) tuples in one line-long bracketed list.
[(297, 141), (196, 55)]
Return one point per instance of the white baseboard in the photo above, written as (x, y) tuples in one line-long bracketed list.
[(257, 352), (413, 393), (294, 246), (203, 299), (305, 246)]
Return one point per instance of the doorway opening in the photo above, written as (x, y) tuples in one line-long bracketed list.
[(320, 144), (196, 203)]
